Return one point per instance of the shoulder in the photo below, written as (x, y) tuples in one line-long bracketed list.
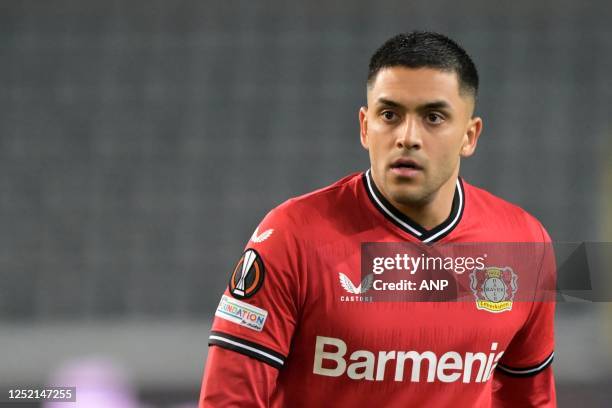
[(307, 219), (497, 212), (322, 203)]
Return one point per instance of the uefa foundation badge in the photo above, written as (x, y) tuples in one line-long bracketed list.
[(494, 288)]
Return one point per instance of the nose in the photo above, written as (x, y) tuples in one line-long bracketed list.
[(409, 136)]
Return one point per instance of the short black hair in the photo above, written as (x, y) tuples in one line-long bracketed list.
[(424, 49)]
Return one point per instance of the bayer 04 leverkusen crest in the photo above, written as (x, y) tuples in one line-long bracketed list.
[(494, 288)]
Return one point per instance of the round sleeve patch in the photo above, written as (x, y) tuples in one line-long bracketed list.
[(248, 275)]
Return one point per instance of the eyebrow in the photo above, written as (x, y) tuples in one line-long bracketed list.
[(440, 104)]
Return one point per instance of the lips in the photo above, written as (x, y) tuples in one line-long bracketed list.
[(406, 168), (406, 163)]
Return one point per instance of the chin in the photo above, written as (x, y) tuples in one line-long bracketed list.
[(409, 196)]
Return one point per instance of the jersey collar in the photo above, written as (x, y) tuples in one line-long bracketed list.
[(408, 225)]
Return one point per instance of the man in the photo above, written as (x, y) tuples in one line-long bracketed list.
[(293, 329)]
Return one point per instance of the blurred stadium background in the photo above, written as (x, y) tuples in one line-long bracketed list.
[(142, 141)]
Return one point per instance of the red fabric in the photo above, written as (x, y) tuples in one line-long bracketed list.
[(316, 239), (537, 391), (235, 380)]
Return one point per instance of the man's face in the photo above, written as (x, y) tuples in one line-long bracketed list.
[(416, 126)]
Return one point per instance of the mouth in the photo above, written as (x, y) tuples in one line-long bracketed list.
[(406, 167)]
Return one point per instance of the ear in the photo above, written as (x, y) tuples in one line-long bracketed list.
[(363, 126), (470, 139)]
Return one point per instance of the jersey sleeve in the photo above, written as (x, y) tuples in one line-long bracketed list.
[(258, 311), (235, 380), (524, 376)]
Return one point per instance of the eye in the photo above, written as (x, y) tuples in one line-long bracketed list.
[(434, 118), (388, 115)]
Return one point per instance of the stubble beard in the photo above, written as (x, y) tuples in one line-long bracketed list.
[(413, 198), (419, 196)]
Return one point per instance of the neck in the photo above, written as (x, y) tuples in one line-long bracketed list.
[(434, 211)]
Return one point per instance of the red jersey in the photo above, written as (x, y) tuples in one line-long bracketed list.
[(297, 325)]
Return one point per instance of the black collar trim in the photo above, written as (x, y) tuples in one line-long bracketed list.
[(405, 223)]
